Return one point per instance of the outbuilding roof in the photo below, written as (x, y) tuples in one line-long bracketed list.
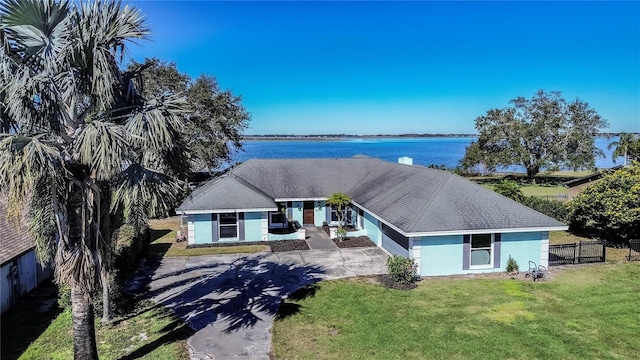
[(14, 238), (413, 199)]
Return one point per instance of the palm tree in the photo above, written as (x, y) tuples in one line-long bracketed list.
[(339, 201), (622, 146), (79, 145)]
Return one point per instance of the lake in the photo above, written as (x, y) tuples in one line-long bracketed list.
[(424, 151)]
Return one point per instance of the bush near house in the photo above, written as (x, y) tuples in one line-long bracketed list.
[(402, 270)]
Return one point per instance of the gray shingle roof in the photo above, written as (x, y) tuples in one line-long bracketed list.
[(227, 193), (14, 238), (414, 199)]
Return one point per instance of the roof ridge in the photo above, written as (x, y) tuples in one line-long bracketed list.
[(250, 186), (428, 203), (370, 173)]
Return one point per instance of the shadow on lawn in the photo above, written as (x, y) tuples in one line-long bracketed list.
[(175, 331), (25, 322), (287, 308), (238, 294)]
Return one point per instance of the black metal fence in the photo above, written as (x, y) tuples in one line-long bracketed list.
[(579, 253), (634, 250)]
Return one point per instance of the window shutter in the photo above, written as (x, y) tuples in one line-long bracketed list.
[(497, 241), (466, 251), (214, 228), (327, 213), (241, 226)]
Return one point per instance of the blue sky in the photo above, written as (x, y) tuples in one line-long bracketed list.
[(401, 67)]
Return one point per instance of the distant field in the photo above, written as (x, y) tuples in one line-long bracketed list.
[(538, 190)]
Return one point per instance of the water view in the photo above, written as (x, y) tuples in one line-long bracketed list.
[(424, 151)]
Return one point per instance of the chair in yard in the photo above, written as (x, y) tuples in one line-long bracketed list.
[(535, 271)]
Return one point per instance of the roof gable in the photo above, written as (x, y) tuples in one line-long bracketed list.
[(227, 193)]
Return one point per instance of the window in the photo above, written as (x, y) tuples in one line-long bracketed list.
[(481, 248), (184, 220), (334, 213), (277, 217), (228, 225)]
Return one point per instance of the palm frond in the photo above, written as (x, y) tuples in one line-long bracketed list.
[(23, 161), (42, 218), (103, 29), (142, 193), (102, 146), (154, 128), (39, 29)]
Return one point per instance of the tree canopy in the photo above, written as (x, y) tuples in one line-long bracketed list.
[(610, 207), (80, 145), (627, 147), (544, 132), (216, 120)]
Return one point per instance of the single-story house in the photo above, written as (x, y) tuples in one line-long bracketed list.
[(448, 224), (20, 272)]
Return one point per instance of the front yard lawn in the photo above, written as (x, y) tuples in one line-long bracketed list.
[(586, 311)]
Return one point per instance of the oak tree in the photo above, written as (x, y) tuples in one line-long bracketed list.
[(541, 133)]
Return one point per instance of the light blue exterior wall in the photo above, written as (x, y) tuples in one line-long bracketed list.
[(372, 228), (442, 255), (523, 247), (297, 212), (319, 213), (252, 226), (202, 228)]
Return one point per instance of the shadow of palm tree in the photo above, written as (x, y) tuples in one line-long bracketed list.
[(238, 294)]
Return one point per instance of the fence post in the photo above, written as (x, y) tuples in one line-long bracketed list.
[(604, 250), (579, 251)]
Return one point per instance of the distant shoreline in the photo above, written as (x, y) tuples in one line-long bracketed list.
[(330, 137), (333, 137)]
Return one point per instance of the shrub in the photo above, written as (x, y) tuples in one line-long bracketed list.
[(402, 270), (551, 208), (510, 189), (512, 265), (609, 208)]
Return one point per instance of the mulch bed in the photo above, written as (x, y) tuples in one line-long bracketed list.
[(276, 246), (359, 241), (386, 280)]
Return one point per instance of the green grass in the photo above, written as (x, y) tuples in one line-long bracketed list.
[(538, 190), (150, 333), (583, 312), (163, 242)]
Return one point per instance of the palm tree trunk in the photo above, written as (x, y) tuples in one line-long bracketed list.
[(84, 335), (106, 296)]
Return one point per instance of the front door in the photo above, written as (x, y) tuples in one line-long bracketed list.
[(308, 213)]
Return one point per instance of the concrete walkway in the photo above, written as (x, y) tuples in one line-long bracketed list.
[(231, 300), (317, 239)]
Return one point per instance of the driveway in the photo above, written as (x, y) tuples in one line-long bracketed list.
[(231, 300)]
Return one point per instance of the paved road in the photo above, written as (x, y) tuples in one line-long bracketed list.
[(231, 300)]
